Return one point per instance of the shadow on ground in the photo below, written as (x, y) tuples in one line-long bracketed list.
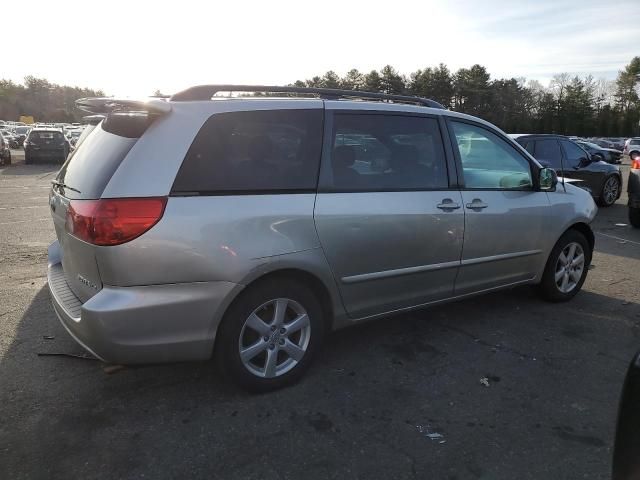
[(366, 409), (29, 170)]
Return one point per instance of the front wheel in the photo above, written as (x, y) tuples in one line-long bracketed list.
[(269, 335), (610, 191), (634, 217), (566, 268)]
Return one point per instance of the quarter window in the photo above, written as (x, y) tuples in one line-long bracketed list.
[(387, 152), (253, 152), (548, 152), (489, 161), (575, 155)]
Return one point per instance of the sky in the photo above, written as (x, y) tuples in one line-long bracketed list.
[(131, 48)]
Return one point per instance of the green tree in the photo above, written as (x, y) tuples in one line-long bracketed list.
[(472, 91), (435, 83), (372, 82), (391, 82), (353, 80)]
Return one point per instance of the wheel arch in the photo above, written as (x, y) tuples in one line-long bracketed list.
[(331, 306), (585, 230)]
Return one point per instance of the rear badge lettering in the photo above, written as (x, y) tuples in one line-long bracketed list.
[(87, 282)]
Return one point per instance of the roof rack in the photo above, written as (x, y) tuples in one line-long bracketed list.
[(104, 105), (206, 92)]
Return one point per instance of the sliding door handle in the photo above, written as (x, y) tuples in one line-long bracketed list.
[(447, 205), (477, 204)]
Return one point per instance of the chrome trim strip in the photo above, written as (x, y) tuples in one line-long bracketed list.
[(399, 271), (503, 256)]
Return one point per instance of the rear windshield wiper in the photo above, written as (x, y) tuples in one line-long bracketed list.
[(58, 183)]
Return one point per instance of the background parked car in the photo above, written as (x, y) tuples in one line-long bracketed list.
[(604, 181), (631, 146), (21, 133), (609, 155), (45, 144), (626, 461), (633, 189), (5, 153), (12, 140)]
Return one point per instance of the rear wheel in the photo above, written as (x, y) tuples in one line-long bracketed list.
[(634, 217), (610, 191), (566, 268), (269, 335)]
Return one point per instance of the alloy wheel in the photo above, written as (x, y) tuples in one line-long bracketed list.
[(610, 190), (569, 267), (274, 338)]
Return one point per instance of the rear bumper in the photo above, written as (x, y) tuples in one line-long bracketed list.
[(146, 324)]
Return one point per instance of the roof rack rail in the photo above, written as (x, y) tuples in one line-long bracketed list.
[(104, 105), (206, 92)]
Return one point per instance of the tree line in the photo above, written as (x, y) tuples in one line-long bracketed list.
[(45, 101), (569, 105)]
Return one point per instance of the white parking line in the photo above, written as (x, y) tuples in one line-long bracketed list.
[(618, 238), (27, 206), (26, 221)]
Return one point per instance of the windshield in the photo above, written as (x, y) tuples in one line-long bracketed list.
[(22, 130)]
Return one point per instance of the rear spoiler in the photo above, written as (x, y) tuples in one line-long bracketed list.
[(93, 119), (106, 105)]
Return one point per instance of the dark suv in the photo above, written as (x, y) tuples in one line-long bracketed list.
[(45, 145), (602, 180)]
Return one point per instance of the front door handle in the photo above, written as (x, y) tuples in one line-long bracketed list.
[(448, 205), (476, 204)]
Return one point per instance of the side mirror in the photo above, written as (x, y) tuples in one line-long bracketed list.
[(547, 179)]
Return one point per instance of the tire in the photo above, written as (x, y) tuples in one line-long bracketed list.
[(27, 159), (634, 217), (610, 191), (262, 300), (550, 288)]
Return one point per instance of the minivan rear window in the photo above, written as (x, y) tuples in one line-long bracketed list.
[(254, 152), (89, 168), (39, 137)]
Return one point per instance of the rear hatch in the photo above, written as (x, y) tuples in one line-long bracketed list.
[(83, 178)]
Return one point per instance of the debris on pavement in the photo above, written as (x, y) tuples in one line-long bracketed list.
[(111, 369), (484, 381), (48, 337), (81, 356), (431, 435)]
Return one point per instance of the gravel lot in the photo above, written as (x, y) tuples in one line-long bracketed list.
[(397, 398)]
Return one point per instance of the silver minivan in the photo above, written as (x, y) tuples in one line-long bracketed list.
[(247, 228)]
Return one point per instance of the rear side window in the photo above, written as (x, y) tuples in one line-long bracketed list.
[(88, 170), (387, 152), (548, 152), (575, 155), (528, 145), (257, 151)]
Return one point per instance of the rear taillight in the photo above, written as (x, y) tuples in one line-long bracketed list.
[(112, 221)]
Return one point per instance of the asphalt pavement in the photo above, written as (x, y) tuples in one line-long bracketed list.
[(503, 386)]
